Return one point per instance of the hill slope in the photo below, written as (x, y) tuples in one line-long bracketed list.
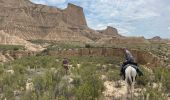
[(14, 40)]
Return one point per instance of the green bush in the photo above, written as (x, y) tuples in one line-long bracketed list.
[(163, 75), (11, 47), (91, 87), (145, 79), (154, 94), (88, 46), (113, 75)]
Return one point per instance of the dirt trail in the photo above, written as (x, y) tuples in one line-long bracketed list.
[(118, 91), (115, 90)]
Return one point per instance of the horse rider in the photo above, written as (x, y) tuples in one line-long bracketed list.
[(65, 64), (129, 60)]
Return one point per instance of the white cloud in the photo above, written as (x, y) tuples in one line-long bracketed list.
[(50, 2), (39, 1), (168, 28)]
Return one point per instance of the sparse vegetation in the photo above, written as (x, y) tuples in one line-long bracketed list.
[(11, 47), (50, 82)]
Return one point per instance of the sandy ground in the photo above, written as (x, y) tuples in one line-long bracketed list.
[(113, 91)]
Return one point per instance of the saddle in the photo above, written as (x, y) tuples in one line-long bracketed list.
[(124, 68), (134, 66)]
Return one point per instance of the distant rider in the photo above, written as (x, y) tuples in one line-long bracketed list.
[(65, 64), (129, 60)]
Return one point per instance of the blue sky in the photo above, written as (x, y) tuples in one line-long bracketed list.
[(146, 18)]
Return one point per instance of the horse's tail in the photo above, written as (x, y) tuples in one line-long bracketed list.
[(129, 78)]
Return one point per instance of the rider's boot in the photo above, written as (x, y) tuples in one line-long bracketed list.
[(124, 76), (121, 70), (140, 73)]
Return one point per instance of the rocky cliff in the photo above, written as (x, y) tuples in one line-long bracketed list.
[(156, 38), (33, 21), (28, 21), (141, 57), (122, 40), (110, 31)]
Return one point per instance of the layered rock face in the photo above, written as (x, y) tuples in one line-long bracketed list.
[(74, 15), (111, 36), (110, 31), (31, 21), (158, 39), (123, 40), (141, 57)]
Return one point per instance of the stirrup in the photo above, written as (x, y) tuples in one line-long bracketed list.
[(120, 74), (140, 73)]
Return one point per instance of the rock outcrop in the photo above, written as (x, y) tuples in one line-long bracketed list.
[(74, 15), (110, 31), (28, 21), (159, 40), (123, 40), (34, 21), (156, 38), (111, 36)]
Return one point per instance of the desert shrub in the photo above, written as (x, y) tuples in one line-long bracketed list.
[(29, 96), (8, 93), (11, 47), (158, 72), (88, 46), (91, 87), (162, 75), (166, 82), (154, 94), (113, 75), (19, 69), (1, 69), (8, 79), (53, 84), (62, 98), (145, 79), (36, 62), (39, 85)]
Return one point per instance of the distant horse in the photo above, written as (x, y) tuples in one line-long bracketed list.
[(130, 76)]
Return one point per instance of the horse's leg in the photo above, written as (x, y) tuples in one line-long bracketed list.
[(127, 86), (133, 83), (132, 90), (128, 92)]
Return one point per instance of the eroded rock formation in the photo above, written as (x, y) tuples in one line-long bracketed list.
[(33, 21), (110, 31), (141, 57), (30, 21), (123, 40), (156, 38)]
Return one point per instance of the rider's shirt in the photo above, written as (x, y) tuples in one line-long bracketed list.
[(129, 56)]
